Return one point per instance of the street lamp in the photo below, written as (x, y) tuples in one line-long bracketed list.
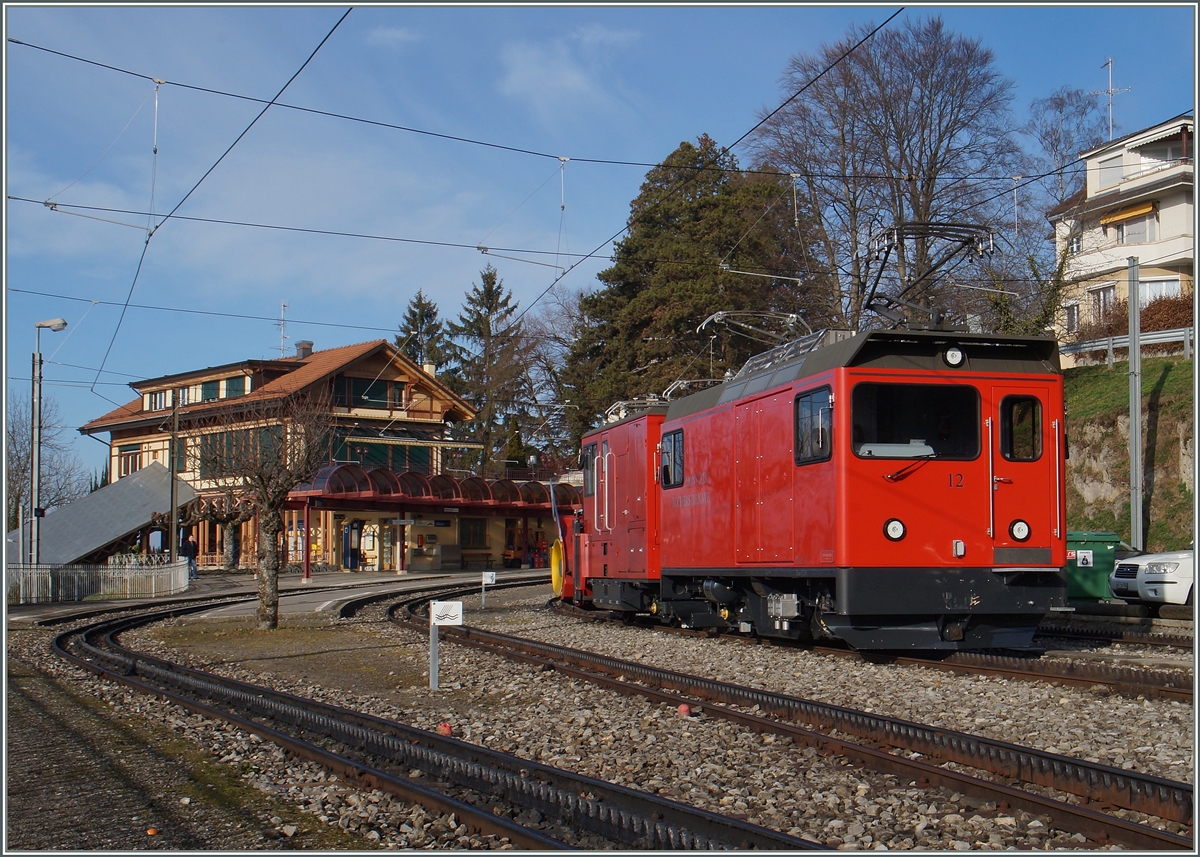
[(35, 454)]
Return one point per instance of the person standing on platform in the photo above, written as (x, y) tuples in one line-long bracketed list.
[(190, 550)]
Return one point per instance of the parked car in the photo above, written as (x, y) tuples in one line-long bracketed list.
[(1158, 577)]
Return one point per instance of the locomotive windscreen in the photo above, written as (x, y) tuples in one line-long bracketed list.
[(915, 420)]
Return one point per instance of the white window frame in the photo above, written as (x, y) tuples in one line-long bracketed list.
[(1071, 316), (1143, 291), (1110, 171), (1099, 305)]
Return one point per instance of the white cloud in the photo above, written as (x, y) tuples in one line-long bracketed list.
[(599, 35), (391, 36), (565, 76)]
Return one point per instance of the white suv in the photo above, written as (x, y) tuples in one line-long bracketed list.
[(1158, 577)]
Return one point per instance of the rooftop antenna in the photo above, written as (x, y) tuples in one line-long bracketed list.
[(1110, 92), (282, 325)]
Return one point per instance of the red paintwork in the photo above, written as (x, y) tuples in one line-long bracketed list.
[(745, 503), (622, 516)]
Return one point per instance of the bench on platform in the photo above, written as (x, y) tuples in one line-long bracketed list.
[(476, 559)]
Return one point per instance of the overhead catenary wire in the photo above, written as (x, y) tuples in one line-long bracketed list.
[(207, 173), (681, 185), (106, 151), (468, 140)]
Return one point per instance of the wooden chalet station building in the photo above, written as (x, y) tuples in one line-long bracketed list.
[(382, 500)]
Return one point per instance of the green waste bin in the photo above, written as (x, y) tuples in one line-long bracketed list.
[(1091, 558)]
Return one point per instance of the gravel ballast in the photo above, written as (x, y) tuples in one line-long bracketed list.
[(368, 664)]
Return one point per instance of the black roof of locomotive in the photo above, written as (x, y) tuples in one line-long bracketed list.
[(883, 349)]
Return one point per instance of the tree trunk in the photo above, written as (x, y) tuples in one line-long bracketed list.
[(227, 536), (270, 525)]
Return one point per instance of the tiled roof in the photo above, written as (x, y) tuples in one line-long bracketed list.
[(310, 370), (315, 367)]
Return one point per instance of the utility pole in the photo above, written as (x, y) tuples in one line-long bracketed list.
[(172, 452), (1136, 536), (35, 453)]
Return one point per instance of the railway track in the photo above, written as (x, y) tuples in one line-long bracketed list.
[(1115, 635), (475, 783), (1129, 681), (1101, 785)]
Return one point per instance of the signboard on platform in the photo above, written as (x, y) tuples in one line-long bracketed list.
[(489, 577)]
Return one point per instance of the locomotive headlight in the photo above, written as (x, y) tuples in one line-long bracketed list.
[(953, 356), (1019, 530), (894, 529)]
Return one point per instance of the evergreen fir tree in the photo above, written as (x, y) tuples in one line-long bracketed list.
[(484, 365), (422, 335)]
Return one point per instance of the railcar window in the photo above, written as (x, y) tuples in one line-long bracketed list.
[(587, 463), (814, 427), (672, 459), (1021, 428), (915, 421)]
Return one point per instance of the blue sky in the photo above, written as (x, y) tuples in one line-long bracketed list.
[(623, 83)]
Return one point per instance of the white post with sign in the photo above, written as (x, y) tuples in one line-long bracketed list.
[(440, 613), (488, 577)]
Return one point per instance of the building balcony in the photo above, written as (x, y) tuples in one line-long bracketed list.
[(1112, 257)]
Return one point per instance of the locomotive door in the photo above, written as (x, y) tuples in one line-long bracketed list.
[(1024, 464), (763, 526), (602, 509)]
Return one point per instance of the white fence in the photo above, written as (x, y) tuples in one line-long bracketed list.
[(41, 584)]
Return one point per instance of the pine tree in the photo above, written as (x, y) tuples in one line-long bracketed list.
[(696, 225), (422, 335), (485, 367)]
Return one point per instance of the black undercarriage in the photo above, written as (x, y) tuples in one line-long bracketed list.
[(868, 608)]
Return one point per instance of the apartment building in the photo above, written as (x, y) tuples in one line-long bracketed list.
[(1137, 202)]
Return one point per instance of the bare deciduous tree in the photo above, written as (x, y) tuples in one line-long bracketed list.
[(64, 478), (910, 127), (259, 450), (1064, 124), (227, 511)]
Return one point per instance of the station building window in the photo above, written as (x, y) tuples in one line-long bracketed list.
[(472, 533), (129, 459)]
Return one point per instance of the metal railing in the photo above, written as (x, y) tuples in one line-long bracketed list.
[(1153, 337), (42, 584)]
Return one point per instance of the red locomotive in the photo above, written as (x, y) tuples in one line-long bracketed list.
[(892, 489)]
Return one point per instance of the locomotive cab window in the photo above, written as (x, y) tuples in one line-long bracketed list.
[(587, 463), (672, 459), (915, 421), (814, 426), (1021, 428)]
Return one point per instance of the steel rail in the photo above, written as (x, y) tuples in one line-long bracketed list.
[(622, 814), (1116, 636), (1166, 684), (1127, 681), (1153, 795), (355, 771)]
